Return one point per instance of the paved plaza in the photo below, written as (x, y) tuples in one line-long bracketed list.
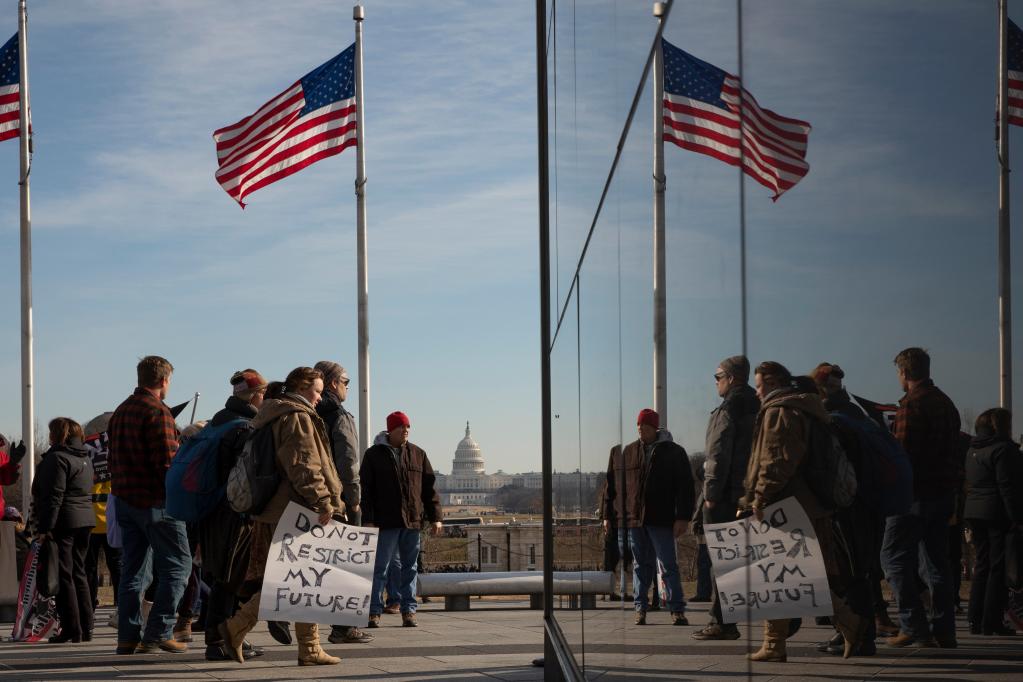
[(498, 642)]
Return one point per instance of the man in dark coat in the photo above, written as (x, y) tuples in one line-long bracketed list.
[(650, 492)]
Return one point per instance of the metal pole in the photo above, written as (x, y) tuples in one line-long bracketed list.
[(1004, 256), (479, 551), (27, 372), (195, 404), (660, 303), (507, 549), (358, 14), (742, 186)]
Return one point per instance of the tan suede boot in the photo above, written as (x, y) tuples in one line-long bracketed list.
[(309, 651), (234, 629), (773, 648), (852, 626)]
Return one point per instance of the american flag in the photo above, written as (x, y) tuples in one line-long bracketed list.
[(10, 98), (701, 114), (1014, 56), (311, 120)]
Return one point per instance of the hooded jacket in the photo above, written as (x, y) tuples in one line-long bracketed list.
[(729, 439), (780, 443), (994, 466), (398, 492), (62, 490), (308, 476), (655, 494)]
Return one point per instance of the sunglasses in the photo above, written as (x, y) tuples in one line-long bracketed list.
[(719, 376)]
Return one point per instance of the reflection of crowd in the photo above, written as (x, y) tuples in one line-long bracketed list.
[(451, 568)]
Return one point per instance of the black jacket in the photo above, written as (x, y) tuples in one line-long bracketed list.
[(398, 494), (729, 439), (344, 445), (656, 495), (994, 466), (62, 490)]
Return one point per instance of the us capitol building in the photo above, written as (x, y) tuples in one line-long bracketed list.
[(469, 484)]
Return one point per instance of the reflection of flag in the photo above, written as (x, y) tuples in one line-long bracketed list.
[(10, 77), (701, 114), (311, 120), (1014, 57)]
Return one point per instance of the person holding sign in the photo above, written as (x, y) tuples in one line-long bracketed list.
[(309, 478), (776, 468), (397, 494), (650, 491)]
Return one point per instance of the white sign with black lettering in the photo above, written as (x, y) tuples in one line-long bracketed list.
[(771, 568), (318, 574)]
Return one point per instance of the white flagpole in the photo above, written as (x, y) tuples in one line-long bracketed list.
[(660, 302), (27, 404), (358, 14), (1004, 279)]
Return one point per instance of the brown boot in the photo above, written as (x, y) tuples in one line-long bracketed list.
[(309, 651), (852, 627), (183, 629), (769, 655), (885, 626), (773, 648)]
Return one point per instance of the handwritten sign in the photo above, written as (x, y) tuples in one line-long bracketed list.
[(771, 568), (318, 574)]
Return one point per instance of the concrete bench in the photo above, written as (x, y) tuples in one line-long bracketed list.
[(582, 587)]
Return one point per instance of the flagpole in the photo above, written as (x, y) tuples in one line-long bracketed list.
[(358, 14), (27, 397), (660, 303), (742, 187), (1004, 279)]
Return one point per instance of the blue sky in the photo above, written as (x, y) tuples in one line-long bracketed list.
[(888, 242)]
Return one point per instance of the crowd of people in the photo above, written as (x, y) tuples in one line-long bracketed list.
[(915, 481)]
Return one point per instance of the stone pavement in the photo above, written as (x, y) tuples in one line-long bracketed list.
[(499, 641)]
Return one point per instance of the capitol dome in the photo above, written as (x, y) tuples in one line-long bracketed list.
[(468, 457)]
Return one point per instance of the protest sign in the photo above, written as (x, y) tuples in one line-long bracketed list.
[(318, 574), (771, 568)]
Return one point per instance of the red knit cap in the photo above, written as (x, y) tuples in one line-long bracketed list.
[(396, 419), (648, 417)]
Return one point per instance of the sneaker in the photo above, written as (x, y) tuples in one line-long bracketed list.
[(352, 635), (215, 652), (715, 631), (640, 617), (834, 646), (169, 645), (392, 608), (279, 630), (374, 620), (903, 640), (679, 618), (408, 619), (250, 651)]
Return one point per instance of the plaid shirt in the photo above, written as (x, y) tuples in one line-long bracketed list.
[(143, 440), (927, 425)]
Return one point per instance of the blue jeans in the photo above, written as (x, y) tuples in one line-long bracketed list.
[(152, 541), (394, 581), (402, 543), (916, 544), (653, 547)]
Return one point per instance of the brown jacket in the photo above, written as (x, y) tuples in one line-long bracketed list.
[(658, 494), (398, 492), (308, 475), (780, 439)]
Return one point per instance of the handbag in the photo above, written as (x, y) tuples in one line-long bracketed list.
[(48, 569)]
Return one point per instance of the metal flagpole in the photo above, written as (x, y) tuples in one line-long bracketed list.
[(27, 381), (660, 305), (742, 183), (358, 14), (1004, 280)]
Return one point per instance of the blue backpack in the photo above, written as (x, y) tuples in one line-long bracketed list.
[(886, 476), (193, 488)]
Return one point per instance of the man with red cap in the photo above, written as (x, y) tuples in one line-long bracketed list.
[(650, 492), (397, 496)]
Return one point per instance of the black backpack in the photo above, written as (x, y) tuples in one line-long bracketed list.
[(255, 477), (829, 473)]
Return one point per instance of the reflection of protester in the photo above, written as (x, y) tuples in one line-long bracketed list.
[(397, 495), (655, 505), (62, 507), (98, 539), (10, 465), (615, 551), (308, 478), (994, 466)]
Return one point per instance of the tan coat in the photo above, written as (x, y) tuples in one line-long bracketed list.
[(780, 441), (308, 474)]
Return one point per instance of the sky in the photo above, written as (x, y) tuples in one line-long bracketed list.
[(888, 242)]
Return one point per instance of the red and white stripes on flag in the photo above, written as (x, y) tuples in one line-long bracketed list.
[(1014, 59), (10, 112), (701, 114)]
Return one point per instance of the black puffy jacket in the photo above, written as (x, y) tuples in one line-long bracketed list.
[(62, 490), (994, 466)]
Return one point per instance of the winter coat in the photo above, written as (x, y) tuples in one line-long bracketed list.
[(308, 476), (344, 445), (398, 494), (62, 490), (780, 443), (729, 439), (994, 466), (927, 426), (658, 494)]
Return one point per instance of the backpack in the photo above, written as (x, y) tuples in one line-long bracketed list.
[(192, 484), (886, 476), (829, 473), (254, 478)]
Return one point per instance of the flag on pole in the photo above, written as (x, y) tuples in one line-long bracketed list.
[(701, 114), (10, 98), (311, 120), (1014, 58)]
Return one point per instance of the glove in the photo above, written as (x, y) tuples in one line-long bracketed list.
[(18, 451)]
